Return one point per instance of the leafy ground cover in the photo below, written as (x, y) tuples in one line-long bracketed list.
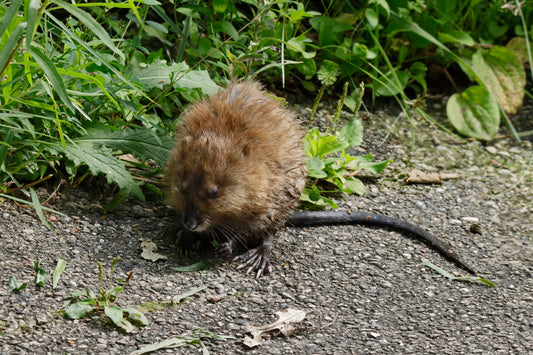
[(95, 88)]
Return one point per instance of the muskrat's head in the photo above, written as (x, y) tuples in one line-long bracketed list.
[(211, 181)]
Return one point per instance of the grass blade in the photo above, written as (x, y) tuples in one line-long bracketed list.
[(9, 15), (457, 278), (51, 73), (91, 23), (98, 56), (32, 204), (11, 45), (31, 17), (38, 207)]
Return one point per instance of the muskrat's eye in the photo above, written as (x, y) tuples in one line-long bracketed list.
[(213, 192)]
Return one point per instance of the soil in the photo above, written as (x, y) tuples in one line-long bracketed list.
[(363, 289)]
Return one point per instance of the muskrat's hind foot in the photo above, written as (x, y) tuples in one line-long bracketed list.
[(257, 258)]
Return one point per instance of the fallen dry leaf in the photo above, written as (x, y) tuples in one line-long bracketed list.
[(149, 251), (423, 177), (284, 324)]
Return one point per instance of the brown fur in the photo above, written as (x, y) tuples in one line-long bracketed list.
[(237, 169)]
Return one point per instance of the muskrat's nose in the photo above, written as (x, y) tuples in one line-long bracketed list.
[(190, 224), (191, 220)]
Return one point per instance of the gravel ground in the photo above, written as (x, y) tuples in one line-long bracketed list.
[(362, 288)]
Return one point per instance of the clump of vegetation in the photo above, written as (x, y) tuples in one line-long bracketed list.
[(86, 86), (86, 302), (328, 160)]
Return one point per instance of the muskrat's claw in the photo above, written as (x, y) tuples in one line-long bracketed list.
[(254, 259)]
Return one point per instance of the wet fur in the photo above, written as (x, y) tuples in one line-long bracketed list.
[(243, 145)]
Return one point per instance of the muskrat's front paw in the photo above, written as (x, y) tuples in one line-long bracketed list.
[(225, 250), (255, 260)]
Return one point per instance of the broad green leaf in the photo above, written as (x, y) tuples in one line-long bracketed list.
[(307, 67), (297, 44), (226, 27), (384, 5), (117, 316), (503, 74), (124, 324), (328, 29), (60, 267), (40, 277), (142, 142), (375, 167), (91, 24), (365, 162), (315, 167), (352, 132), (99, 160), (51, 73), (474, 113), (159, 73), (197, 79), (136, 316), (372, 17), (78, 310), (354, 185)]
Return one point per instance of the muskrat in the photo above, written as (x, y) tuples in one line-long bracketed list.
[(238, 170)]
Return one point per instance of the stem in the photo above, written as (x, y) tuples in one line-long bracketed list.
[(317, 100)]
